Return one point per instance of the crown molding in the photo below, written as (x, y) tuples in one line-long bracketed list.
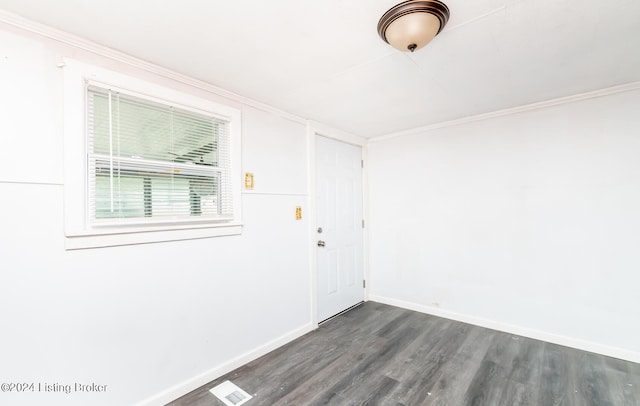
[(336, 134), (97, 49), (510, 111)]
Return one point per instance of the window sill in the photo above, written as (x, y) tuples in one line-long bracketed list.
[(114, 239)]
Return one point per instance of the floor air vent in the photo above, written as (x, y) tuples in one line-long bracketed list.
[(230, 394)]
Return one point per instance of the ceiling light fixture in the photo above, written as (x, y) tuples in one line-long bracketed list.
[(412, 24)]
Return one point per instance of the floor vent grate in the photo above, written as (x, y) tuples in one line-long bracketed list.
[(230, 394)]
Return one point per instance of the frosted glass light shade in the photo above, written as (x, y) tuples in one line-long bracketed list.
[(412, 24), (412, 31)]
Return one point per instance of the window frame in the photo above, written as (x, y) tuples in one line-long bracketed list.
[(80, 230)]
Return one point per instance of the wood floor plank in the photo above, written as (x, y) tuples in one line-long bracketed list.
[(425, 371), (462, 369), (517, 394), (522, 386), (593, 382), (487, 385), (621, 389), (361, 371), (527, 364), (406, 357), (382, 355), (554, 382), (374, 394), (324, 382)]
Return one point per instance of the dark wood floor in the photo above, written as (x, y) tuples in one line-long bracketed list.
[(382, 355)]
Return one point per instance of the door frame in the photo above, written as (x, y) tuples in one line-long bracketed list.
[(314, 130)]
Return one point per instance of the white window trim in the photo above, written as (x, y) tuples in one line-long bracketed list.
[(79, 232)]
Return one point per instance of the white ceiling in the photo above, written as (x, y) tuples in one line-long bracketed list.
[(323, 60)]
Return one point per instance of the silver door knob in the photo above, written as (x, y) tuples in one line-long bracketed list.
[(321, 243)]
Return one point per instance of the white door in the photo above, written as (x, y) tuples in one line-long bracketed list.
[(339, 226)]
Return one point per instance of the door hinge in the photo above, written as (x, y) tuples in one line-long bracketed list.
[(364, 283), (362, 163), (362, 223)]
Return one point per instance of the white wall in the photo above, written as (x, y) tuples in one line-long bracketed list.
[(146, 318), (528, 222)]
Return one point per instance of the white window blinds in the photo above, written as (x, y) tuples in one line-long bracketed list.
[(155, 162)]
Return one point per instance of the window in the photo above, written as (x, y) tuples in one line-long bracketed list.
[(155, 164)]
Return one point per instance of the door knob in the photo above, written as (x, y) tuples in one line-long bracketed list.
[(321, 243)]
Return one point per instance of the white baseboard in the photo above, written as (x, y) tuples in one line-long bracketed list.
[(513, 329), (185, 387)]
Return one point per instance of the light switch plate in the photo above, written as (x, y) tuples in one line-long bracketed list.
[(248, 180)]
